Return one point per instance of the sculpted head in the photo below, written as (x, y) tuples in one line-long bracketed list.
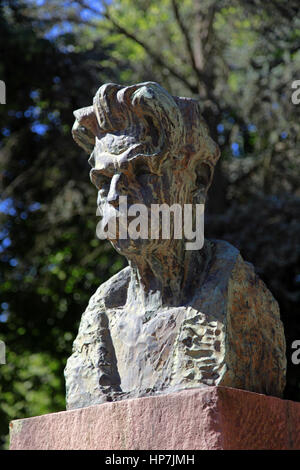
[(147, 145)]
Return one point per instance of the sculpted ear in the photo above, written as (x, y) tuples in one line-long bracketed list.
[(204, 175)]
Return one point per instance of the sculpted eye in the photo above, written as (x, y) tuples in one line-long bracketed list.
[(142, 170), (99, 180)]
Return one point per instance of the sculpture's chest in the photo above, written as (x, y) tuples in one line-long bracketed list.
[(172, 348)]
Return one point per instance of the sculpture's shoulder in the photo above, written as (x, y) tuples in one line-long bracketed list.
[(238, 304), (227, 262), (113, 292), (223, 258), (230, 266), (229, 279), (224, 255)]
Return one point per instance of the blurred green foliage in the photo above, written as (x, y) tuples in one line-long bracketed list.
[(238, 58)]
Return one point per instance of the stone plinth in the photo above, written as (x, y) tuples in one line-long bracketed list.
[(204, 418)]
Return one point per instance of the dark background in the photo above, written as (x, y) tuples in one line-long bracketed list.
[(238, 58)]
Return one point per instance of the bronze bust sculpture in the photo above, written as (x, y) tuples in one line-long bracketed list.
[(174, 318)]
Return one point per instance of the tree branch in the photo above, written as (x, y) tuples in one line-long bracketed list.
[(185, 35), (156, 58)]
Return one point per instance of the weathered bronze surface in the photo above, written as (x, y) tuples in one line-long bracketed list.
[(173, 318)]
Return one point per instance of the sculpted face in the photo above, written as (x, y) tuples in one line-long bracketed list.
[(146, 145)]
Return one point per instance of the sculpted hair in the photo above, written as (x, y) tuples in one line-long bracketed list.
[(169, 126)]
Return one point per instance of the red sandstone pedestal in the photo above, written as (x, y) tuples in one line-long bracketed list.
[(206, 418)]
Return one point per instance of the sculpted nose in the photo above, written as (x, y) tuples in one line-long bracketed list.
[(87, 118), (113, 195), (108, 186), (85, 128)]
